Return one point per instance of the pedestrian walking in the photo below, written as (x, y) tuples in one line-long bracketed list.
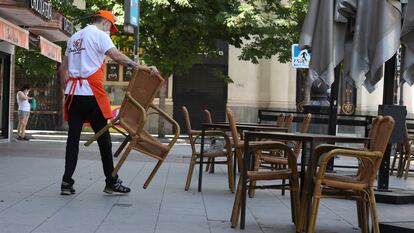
[(23, 98), (82, 70)]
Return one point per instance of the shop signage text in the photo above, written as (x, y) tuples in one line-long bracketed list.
[(42, 7), (50, 50), (14, 34), (67, 26)]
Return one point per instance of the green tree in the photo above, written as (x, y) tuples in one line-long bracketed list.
[(175, 33)]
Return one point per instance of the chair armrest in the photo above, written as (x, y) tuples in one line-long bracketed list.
[(355, 153), (167, 117), (324, 148)]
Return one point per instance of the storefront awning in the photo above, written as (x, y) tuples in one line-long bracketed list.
[(50, 50), (13, 34)]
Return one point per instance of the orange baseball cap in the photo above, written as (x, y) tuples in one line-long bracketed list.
[(110, 17)]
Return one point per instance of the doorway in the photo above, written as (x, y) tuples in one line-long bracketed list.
[(4, 95)]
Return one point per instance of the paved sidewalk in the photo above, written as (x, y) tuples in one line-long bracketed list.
[(30, 202)]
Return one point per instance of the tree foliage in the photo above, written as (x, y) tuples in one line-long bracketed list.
[(174, 33)]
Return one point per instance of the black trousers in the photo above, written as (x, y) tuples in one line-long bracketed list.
[(86, 108)]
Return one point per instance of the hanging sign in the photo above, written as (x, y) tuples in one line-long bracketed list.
[(131, 12), (50, 50), (14, 34), (300, 58)]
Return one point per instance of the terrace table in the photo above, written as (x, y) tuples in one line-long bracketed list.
[(307, 185), (226, 126)]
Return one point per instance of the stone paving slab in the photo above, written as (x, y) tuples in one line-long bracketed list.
[(30, 202)]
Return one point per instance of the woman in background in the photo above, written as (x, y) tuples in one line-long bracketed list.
[(23, 111)]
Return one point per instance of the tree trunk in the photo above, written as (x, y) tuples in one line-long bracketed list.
[(163, 95)]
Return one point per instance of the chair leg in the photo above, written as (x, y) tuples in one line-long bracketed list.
[(239, 155), (190, 171), (314, 214), (252, 191), (393, 164), (373, 207), (362, 216), (234, 219), (122, 146), (154, 171), (407, 166), (208, 164), (98, 134), (295, 196), (230, 173), (121, 161)]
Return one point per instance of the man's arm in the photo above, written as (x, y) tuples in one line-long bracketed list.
[(63, 71), (120, 58)]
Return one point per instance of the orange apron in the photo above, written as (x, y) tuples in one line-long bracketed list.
[(95, 81)]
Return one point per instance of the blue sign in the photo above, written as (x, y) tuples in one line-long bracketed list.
[(132, 12), (300, 58)]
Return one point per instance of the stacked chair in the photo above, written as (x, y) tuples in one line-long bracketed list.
[(132, 117), (226, 153), (358, 187)]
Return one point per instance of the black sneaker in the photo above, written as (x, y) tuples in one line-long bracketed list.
[(25, 139), (19, 138), (67, 189), (117, 187)]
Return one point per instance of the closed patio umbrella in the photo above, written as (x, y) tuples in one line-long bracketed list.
[(323, 33), (407, 39), (374, 37)]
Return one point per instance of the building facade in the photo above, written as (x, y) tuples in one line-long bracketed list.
[(22, 23)]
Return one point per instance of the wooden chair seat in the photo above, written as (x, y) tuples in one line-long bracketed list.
[(148, 143), (270, 175), (343, 182)]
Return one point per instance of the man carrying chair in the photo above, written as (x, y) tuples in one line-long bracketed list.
[(82, 70)]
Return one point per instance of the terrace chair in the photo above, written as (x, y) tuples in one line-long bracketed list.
[(358, 187), (404, 155), (278, 160), (132, 117), (289, 173), (195, 156), (280, 120), (288, 121)]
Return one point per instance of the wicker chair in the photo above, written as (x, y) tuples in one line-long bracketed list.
[(276, 159), (288, 121), (359, 187), (405, 155), (290, 173), (225, 153), (132, 116), (280, 120)]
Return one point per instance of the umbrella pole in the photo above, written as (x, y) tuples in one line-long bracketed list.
[(333, 109), (387, 99)]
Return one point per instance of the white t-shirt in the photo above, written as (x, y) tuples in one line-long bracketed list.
[(86, 53), (24, 105)]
